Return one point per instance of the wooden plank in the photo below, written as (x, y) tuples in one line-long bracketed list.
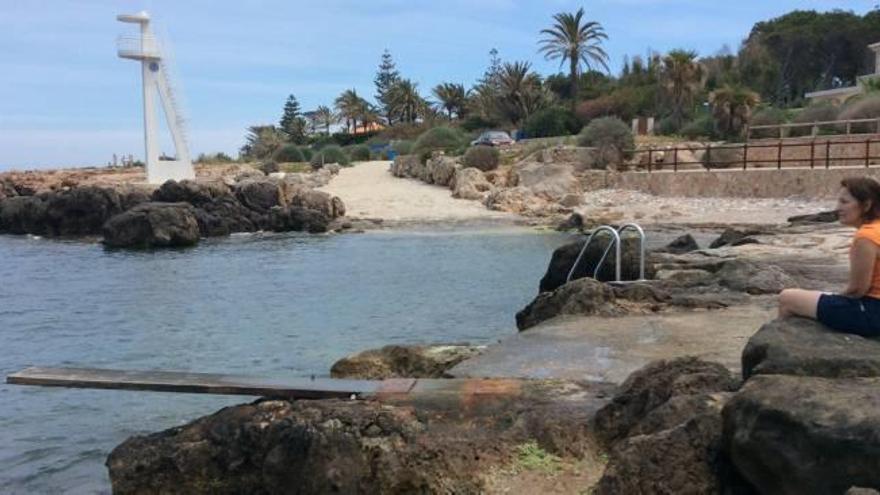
[(197, 383)]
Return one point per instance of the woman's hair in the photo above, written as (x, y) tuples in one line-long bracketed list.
[(865, 190)]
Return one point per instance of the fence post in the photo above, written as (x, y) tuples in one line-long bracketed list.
[(867, 152), (780, 132), (708, 156), (878, 126), (650, 158), (848, 127), (814, 130), (812, 153), (828, 154), (745, 154), (779, 155), (675, 159)]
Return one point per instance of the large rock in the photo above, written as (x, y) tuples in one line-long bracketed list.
[(652, 387), (196, 193), (663, 429), (680, 245), (563, 259), (225, 214), (7, 188), (801, 346), (330, 206), (733, 237), (551, 181), (470, 183), (745, 276), (397, 361), (406, 166), (259, 195), (792, 435), (580, 158), (23, 215), (81, 210), (441, 169), (150, 225), (683, 459), (821, 217), (446, 441), (295, 218), (581, 297), (519, 200)]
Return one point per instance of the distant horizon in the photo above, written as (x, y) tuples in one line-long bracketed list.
[(67, 100)]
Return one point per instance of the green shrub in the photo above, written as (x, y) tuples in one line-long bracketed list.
[(402, 147), (484, 158), (476, 123), (667, 126), (438, 139), (330, 154), (289, 153), (550, 122), (817, 112), (767, 116), (611, 137), (360, 153), (701, 127), (723, 157), (218, 157), (307, 153), (862, 107)]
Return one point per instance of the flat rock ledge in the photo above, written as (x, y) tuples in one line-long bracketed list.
[(399, 361)]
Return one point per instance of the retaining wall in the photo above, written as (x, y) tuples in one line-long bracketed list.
[(757, 183)]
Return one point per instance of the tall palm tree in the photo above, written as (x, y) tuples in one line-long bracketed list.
[(349, 105), (520, 92), (405, 100), (682, 78), (325, 117), (576, 41), (451, 98), (732, 106)]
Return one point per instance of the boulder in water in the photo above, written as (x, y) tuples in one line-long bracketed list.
[(259, 194), (563, 259), (398, 361), (295, 218), (193, 192), (81, 210), (150, 225), (23, 215)]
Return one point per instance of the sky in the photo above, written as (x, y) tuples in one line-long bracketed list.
[(66, 99)]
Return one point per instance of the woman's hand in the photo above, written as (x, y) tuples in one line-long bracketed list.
[(862, 257)]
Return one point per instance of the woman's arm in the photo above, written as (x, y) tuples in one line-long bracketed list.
[(862, 257)]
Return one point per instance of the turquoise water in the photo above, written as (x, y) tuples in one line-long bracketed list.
[(281, 305)]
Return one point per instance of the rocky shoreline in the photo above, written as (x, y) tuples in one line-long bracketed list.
[(801, 419), (174, 214)]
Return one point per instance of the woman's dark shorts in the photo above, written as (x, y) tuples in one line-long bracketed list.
[(847, 314)]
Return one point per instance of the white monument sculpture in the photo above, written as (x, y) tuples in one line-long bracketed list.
[(154, 69)]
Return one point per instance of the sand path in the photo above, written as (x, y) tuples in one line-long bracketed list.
[(370, 191)]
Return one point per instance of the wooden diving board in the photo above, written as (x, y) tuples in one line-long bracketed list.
[(208, 383)]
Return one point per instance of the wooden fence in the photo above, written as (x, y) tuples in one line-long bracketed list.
[(783, 131)]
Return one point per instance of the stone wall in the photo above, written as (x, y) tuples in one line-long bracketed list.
[(760, 183)]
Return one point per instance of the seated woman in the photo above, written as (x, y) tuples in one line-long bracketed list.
[(857, 309)]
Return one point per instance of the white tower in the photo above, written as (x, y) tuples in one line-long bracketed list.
[(147, 50)]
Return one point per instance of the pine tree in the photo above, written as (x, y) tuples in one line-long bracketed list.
[(386, 78), (292, 123)]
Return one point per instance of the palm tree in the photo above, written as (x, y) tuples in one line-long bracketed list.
[(577, 42), (405, 100), (682, 77), (732, 106), (325, 117), (262, 141), (520, 92), (452, 98), (349, 105)]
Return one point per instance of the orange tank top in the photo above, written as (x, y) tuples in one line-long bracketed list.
[(871, 231)]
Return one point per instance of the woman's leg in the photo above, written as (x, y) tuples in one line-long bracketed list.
[(798, 302)]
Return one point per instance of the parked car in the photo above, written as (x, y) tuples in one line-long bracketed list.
[(492, 138)]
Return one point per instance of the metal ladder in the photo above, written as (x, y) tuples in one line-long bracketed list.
[(615, 243)]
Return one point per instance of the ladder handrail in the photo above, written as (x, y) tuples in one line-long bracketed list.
[(620, 231), (615, 241)]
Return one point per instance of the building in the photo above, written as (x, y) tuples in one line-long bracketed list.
[(839, 95)]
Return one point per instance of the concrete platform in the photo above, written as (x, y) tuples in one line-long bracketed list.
[(607, 350)]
